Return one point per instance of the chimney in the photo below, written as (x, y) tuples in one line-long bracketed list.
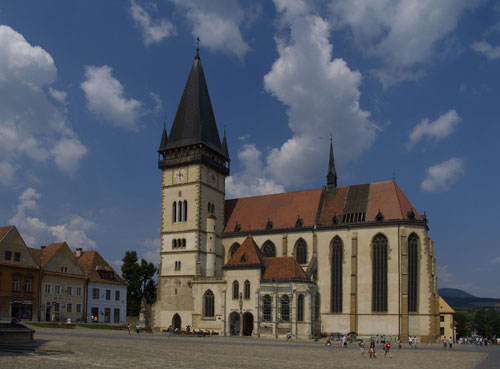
[(78, 252), (42, 247)]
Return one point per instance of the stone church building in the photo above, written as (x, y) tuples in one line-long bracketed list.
[(335, 259)]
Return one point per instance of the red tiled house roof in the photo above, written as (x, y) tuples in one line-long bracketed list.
[(247, 255), (91, 262), (283, 268)]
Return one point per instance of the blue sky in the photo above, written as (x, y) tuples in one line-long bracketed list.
[(408, 88)]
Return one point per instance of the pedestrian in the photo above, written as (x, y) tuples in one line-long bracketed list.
[(344, 341), (328, 340), (289, 336), (415, 342), (445, 341), (388, 349), (372, 351), (362, 347), (410, 341), (169, 330), (128, 328), (138, 328), (376, 339), (399, 342), (450, 342)]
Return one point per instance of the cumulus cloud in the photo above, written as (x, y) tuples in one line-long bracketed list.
[(105, 98), (403, 35), (30, 125), (58, 95), (153, 30), (217, 23), (441, 176), (437, 130), (250, 182), (6, 173), (36, 232), (67, 153), (151, 250), (485, 48)]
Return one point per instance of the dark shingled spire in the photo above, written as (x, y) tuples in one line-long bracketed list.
[(225, 150), (194, 121), (164, 138), (331, 176)]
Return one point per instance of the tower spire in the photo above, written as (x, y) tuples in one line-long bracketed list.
[(164, 137), (331, 176)]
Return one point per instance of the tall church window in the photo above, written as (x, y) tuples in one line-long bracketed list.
[(267, 308), (179, 211), (247, 290), (185, 203), (268, 249), (174, 212), (233, 248), (208, 304), (285, 308), (379, 273), (336, 296), (236, 290), (300, 308), (301, 251), (413, 272)]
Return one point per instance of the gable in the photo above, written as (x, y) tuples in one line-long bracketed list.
[(13, 242), (57, 256)]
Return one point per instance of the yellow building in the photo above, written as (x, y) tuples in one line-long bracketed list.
[(446, 320)]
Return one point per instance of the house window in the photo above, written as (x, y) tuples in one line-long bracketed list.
[(8, 255), (267, 308), (441, 318), (69, 290), (69, 308), (108, 294), (337, 251), (285, 308), (412, 272), (78, 291), (379, 273), (233, 248), (117, 295), (208, 304), (107, 315), (57, 289), (47, 288), (56, 307), (78, 308), (236, 290), (17, 256), (95, 293), (268, 249), (15, 284), (247, 290), (300, 308), (301, 251), (27, 284), (441, 331), (116, 315)]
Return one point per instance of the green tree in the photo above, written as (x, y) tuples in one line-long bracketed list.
[(139, 277), (463, 319)]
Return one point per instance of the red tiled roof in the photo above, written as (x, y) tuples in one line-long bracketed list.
[(36, 254), (388, 197), (253, 213), (248, 254), (4, 230), (48, 252), (91, 261), (283, 268)]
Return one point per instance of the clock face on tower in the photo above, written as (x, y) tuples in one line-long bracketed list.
[(212, 178), (180, 175)]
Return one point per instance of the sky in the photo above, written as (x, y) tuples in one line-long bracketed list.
[(408, 89)]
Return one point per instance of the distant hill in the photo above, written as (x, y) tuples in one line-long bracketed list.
[(461, 300)]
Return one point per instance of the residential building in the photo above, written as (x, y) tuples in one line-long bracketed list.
[(106, 290), (447, 326)]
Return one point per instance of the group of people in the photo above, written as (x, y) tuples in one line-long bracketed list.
[(447, 342), (342, 340), (372, 351)]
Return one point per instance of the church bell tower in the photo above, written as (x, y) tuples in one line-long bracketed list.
[(194, 164)]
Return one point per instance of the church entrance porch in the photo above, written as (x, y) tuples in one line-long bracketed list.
[(234, 324), (176, 322), (247, 324)]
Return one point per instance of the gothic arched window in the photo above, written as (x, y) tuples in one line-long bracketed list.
[(174, 243), (301, 251), (236, 290), (208, 304), (300, 308), (233, 248), (174, 212), (185, 203), (285, 308), (267, 308), (379, 273), (247, 290), (268, 249), (337, 253), (413, 272), (179, 211)]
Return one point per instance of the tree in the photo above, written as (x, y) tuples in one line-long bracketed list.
[(139, 277)]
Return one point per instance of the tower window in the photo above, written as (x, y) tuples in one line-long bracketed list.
[(379, 273), (185, 203), (413, 272), (336, 292), (179, 211), (183, 242), (174, 212), (174, 243)]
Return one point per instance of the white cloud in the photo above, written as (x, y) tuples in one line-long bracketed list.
[(322, 95), (496, 260), (157, 100), (105, 98), (58, 95), (447, 279), (151, 251), (153, 30), (441, 176), (67, 153), (437, 130), (217, 23), (7, 173), (36, 232), (483, 47), (30, 125), (250, 181), (403, 35)]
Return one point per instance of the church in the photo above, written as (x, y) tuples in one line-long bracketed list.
[(351, 259)]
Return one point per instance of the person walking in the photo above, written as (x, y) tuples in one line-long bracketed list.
[(138, 328), (450, 342), (399, 342), (128, 328), (372, 351), (328, 340), (388, 349), (410, 341), (362, 347), (415, 342), (445, 342), (169, 330)]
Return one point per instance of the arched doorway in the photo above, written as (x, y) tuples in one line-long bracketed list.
[(176, 322), (234, 324), (247, 324)]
